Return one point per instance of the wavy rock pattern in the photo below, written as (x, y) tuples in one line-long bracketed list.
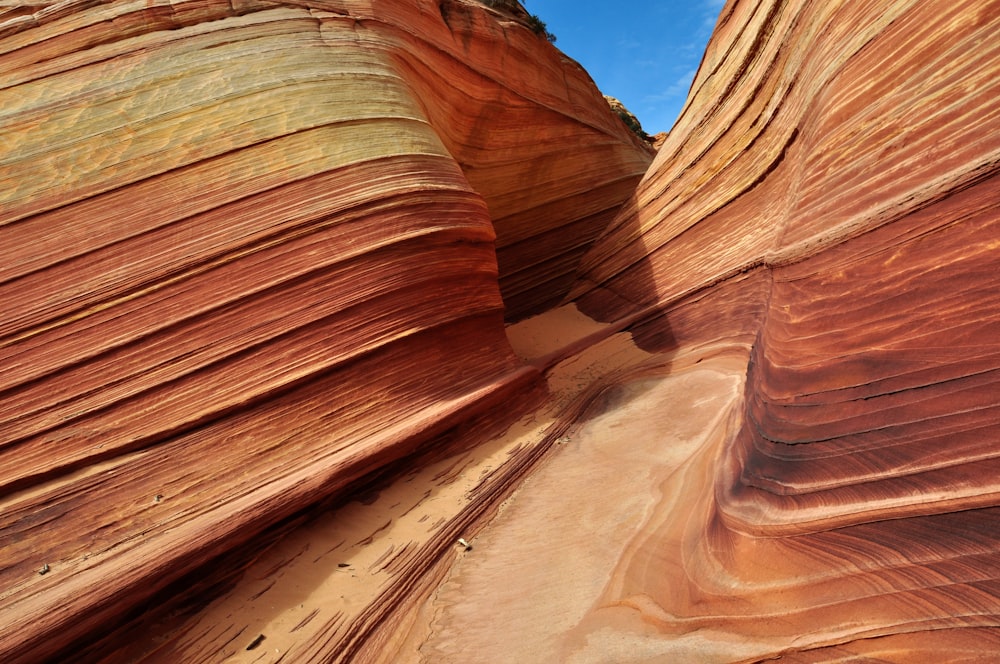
[(249, 252), (850, 153), (779, 441)]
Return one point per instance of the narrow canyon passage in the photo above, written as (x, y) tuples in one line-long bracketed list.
[(366, 331), (606, 399)]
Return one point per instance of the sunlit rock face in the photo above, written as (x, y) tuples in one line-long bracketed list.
[(254, 252), (848, 154), (248, 252)]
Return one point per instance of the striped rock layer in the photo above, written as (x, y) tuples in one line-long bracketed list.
[(250, 251), (254, 252), (844, 158)]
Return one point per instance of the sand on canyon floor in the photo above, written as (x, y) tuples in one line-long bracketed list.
[(557, 563), (562, 574)]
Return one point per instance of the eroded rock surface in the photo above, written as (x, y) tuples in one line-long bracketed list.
[(762, 423), (848, 154), (248, 252)]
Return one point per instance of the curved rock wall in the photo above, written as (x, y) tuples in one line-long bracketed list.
[(254, 251), (849, 152), (247, 253)]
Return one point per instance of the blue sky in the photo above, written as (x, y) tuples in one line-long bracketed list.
[(643, 53)]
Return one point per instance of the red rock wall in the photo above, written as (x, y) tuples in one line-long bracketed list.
[(252, 251), (247, 253), (852, 151), (520, 119)]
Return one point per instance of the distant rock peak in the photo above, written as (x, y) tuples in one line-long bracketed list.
[(629, 118)]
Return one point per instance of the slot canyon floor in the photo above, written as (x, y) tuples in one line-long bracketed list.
[(569, 562)]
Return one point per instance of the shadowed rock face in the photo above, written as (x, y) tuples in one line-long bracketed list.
[(253, 252)]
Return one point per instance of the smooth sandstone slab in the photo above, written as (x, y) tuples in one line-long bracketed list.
[(540, 573)]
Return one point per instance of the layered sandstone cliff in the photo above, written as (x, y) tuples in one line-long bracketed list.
[(248, 252), (248, 259), (829, 200)]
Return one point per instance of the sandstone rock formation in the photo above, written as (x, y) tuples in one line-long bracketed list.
[(248, 252), (248, 261), (843, 158), (628, 117)]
